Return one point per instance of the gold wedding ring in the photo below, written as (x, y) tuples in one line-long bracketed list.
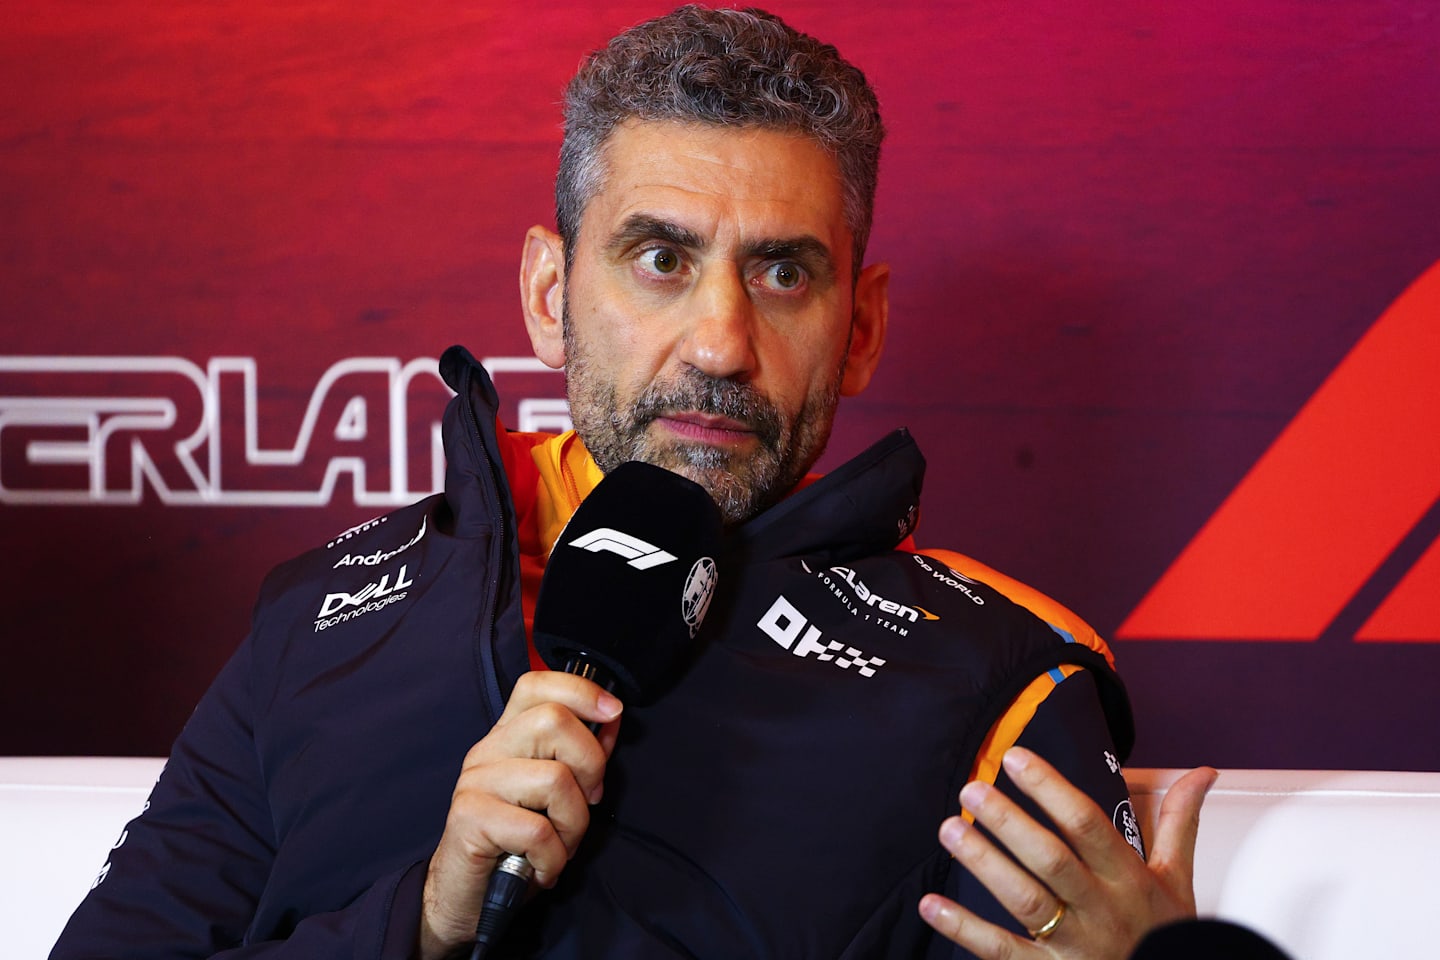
[(1051, 924)]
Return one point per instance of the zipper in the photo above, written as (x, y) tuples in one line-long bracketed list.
[(572, 489), (485, 641)]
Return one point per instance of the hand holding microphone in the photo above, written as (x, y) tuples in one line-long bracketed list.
[(525, 788), (626, 587)]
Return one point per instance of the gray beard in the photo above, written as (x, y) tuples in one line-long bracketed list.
[(742, 485)]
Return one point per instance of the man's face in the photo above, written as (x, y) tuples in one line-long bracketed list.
[(707, 312)]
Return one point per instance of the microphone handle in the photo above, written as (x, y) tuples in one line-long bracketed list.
[(512, 876), (502, 900)]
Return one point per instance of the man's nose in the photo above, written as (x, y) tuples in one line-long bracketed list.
[(720, 340)]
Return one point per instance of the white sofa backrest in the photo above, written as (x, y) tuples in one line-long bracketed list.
[(59, 817), (1329, 865)]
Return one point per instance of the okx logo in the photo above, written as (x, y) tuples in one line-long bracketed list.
[(787, 626), (1354, 475)]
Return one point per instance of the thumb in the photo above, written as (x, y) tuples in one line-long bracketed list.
[(1179, 824)]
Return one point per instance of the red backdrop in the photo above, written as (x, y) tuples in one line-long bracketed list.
[(1151, 326)]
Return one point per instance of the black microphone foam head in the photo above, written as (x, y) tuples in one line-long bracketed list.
[(630, 578)]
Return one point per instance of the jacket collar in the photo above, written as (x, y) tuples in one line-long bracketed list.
[(866, 505)]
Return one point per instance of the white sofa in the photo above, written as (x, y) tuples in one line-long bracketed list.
[(1330, 865), (59, 816)]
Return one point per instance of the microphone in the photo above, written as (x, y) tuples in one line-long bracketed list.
[(629, 581), (624, 592)]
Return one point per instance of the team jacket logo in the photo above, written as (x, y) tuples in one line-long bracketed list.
[(379, 556), (124, 835), (788, 627), (1129, 827), (1354, 475), (356, 530), (953, 579), (863, 602), (341, 607), (638, 553)]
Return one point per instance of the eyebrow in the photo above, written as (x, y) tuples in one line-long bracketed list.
[(808, 250), (643, 226)]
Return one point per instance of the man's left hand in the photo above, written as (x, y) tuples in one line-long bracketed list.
[(1104, 896)]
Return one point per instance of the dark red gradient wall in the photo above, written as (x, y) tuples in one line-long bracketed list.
[(1166, 322)]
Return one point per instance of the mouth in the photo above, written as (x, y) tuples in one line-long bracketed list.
[(706, 428)]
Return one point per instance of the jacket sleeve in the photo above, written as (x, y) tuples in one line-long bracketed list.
[(1069, 730), (185, 877)]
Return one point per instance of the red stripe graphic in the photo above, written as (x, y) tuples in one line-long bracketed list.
[(1412, 611), (1346, 481)]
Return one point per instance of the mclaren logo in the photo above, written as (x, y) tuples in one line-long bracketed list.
[(872, 599), (638, 553), (861, 601)]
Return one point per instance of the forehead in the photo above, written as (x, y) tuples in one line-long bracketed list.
[(745, 182)]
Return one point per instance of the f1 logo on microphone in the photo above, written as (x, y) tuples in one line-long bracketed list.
[(641, 555)]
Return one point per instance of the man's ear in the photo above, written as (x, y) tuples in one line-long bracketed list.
[(867, 328), (542, 294)]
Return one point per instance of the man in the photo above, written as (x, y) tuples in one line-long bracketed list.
[(706, 296)]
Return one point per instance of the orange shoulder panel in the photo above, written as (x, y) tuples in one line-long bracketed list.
[(1031, 599), (1007, 729)]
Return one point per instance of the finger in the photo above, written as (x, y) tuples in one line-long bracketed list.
[(1089, 830), (980, 937), (478, 831), (537, 786), (1022, 896), (608, 736), (584, 698), (529, 833), (1179, 822), (529, 807), (1038, 849), (547, 731)]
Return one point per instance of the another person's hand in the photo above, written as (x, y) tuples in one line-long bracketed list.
[(526, 788), (1096, 900)]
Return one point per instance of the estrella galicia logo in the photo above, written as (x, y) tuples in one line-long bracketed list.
[(1129, 827)]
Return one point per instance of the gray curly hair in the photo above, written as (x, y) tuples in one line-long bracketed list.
[(740, 67)]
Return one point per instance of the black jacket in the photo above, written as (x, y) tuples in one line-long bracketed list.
[(781, 800)]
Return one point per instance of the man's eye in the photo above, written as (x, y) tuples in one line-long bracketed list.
[(661, 260), (784, 275)]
